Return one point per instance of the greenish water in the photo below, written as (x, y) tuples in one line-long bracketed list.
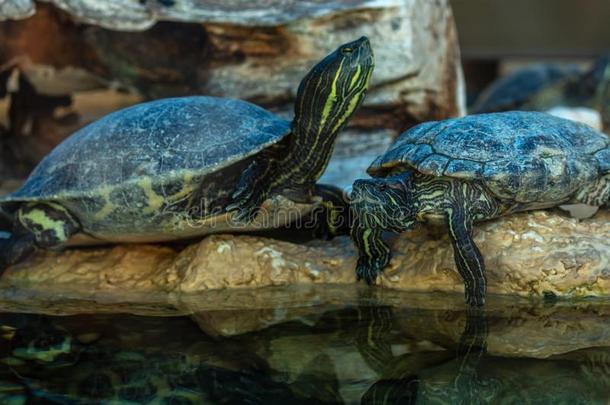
[(329, 354)]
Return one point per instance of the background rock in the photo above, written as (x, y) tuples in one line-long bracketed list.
[(16, 9), (249, 50)]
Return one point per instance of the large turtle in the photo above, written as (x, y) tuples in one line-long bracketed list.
[(541, 87), (184, 167), (460, 171)]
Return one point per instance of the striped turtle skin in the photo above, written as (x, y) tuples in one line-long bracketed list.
[(186, 167), (461, 171)]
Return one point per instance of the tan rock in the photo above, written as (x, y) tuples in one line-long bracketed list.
[(529, 254), (526, 254)]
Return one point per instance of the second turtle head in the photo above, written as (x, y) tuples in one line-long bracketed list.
[(385, 203)]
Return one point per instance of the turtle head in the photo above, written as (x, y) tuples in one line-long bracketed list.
[(384, 202), (333, 89)]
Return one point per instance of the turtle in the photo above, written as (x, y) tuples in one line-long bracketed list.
[(541, 87), (512, 91), (460, 171), (181, 168)]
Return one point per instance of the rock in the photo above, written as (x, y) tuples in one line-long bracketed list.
[(529, 254), (231, 50), (127, 15), (16, 9), (505, 380), (581, 114)]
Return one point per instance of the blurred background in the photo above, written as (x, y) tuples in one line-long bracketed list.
[(498, 37), (64, 64)]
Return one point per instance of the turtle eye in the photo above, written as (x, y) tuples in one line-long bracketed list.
[(347, 51)]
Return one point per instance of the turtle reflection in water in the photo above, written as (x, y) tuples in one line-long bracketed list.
[(400, 382), (460, 171), (185, 167), (49, 365), (472, 376)]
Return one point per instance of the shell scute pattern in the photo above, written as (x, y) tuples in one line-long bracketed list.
[(418, 154), (159, 139), (463, 169), (522, 156), (433, 165)]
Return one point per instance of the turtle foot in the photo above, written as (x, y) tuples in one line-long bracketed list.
[(244, 213), (476, 298), (246, 203), (369, 268)]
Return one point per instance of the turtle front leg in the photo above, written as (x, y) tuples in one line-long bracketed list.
[(332, 217), (37, 226), (252, 190), (374, 253), (468, 258)]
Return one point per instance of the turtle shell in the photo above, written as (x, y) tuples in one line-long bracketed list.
[(514, 90), (158, 139), (133, 175), (520, 156)]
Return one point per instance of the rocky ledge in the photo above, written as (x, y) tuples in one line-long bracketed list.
[(531, 254)]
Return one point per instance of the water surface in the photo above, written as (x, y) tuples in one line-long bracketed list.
[(368, 351)]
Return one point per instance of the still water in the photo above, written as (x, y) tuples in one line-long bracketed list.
[(362, 352)]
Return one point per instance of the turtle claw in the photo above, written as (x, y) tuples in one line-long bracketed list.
[(245, 208), (475, 298), (369, 268)]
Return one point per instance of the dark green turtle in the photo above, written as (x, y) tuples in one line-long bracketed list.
[(461, 171), (185, 167), (515, 89), (541, 87)]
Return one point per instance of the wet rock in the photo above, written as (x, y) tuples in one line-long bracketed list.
[(518, 329), (506, 380), (530, 254)]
